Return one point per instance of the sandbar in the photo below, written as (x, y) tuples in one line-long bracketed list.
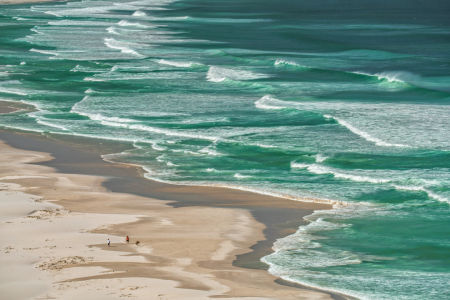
[(61, 202)]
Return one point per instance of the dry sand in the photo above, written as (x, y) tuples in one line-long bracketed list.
[(55, 227)]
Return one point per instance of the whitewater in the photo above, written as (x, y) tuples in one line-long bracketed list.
[(294, 100)]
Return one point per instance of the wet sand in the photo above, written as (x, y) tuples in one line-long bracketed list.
[(203, 238)]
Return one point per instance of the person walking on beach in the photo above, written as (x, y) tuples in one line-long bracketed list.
[(109, 242), (128, 239)]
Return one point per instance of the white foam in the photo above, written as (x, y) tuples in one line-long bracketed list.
[(157, 147), (36, 30), (279, 62), (319, 169), (265, 146), (265, 103), (175, 63), (167, 132), (139, 13), (12, 91), (261, 191), (93, 79), (423, 189), (132, 24), (124, 47), (320, 158), (46, 123), (44, 51), (218, 74), (393, 76), (112, 30), (80, 68), (211, 170), (240, 176), (77, 23), (97, 116), (295, 165), (208, 150), (95, 11), (172, 164), (365, 135)]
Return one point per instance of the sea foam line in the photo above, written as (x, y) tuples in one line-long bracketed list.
[(319, 169), (124, 47), (132, 24), (12, 91), (365, 135), (218, 74), (281, 62), (43, 51), (159, 130), (335, 203), (175, 63)]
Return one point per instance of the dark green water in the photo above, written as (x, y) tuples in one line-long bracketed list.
[(345, 102)]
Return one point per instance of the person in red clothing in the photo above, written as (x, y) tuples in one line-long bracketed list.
[(128, 239)]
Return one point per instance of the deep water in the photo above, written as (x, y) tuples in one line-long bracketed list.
[(345, 102)]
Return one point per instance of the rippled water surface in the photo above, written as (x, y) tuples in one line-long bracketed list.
[(331, 101)]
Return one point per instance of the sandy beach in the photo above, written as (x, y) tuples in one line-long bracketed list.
[(56, 225)]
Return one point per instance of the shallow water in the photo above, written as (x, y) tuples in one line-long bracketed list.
[(334, 101)]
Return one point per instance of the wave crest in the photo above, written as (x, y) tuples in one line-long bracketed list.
[(218, 74)]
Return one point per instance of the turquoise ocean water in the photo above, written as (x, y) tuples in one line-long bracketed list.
[(345, 102)]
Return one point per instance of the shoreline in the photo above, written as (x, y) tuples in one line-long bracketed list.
[(280, 216)]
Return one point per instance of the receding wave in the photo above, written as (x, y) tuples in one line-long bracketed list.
[(50, 124), (261, 191)]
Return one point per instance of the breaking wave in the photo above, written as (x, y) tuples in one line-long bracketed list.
[(218, 74), (124, 47), (365, 135)]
